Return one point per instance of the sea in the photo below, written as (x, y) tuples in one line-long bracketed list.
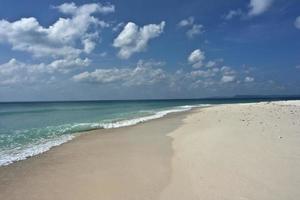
[(31, 128)]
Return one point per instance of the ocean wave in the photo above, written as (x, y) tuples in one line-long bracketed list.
[(156, 115), (48, 137), (16, 154)]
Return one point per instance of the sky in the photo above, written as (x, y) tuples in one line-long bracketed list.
[(133, 49)]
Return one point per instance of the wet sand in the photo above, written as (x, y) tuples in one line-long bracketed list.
[(125, 163)]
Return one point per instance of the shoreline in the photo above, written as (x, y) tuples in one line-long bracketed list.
[(45, 147), (97, 131), (63, 139), (120, 156), (229, 151)]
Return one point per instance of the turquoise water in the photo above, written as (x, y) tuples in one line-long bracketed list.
[(27, 129)]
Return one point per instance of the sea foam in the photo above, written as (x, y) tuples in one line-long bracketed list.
[(69, 131)]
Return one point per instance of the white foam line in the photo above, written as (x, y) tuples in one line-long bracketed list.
[(13, 155), (157, 115), (9, 156)]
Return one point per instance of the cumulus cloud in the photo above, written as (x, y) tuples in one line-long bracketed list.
[(118, 26), (210, 76), (66, 65), (228, 78), (233, 13), (150, 63), (297, 22), (142, 74), (228, 74), (213, 78), (103, 75), (227, 70), (71, 8), (204, 73), (196, 29), (214, 63), (256, 7), (196, 58), (134, 39), (186, 22), (151, 73), (214, 74), (66, 37), (193, 28), (249, 79), (15, 71)]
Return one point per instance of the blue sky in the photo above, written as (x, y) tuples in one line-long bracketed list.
[(74, 50)]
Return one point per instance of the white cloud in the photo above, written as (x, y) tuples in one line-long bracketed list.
[(103, 75), (150, 73), (9, 67), (227, 78), (14, 71), (297, 22), (227, 70), (233, 13), (212, 76), (142, 74), (210, 64), (196, 58), (194, 29), (71, 8), (67, 8), (209, 77), (214, 63), (134, 39), (186, 22), (203, 73), (258, 7), (66, 65), (150, 63), (118, 26), (66, 37), (249, 79)]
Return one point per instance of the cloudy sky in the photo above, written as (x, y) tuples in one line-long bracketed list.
[(75, 50)]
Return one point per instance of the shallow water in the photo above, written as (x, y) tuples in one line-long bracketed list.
[(30, 128)]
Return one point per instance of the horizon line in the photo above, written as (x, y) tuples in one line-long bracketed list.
[(279, 97)]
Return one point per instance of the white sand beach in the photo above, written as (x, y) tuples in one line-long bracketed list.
[(245, 151), (234, 151)]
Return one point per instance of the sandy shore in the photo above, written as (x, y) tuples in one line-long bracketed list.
[(238, 151)]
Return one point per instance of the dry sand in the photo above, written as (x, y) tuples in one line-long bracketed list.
[(246, 151), (241, 151)]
